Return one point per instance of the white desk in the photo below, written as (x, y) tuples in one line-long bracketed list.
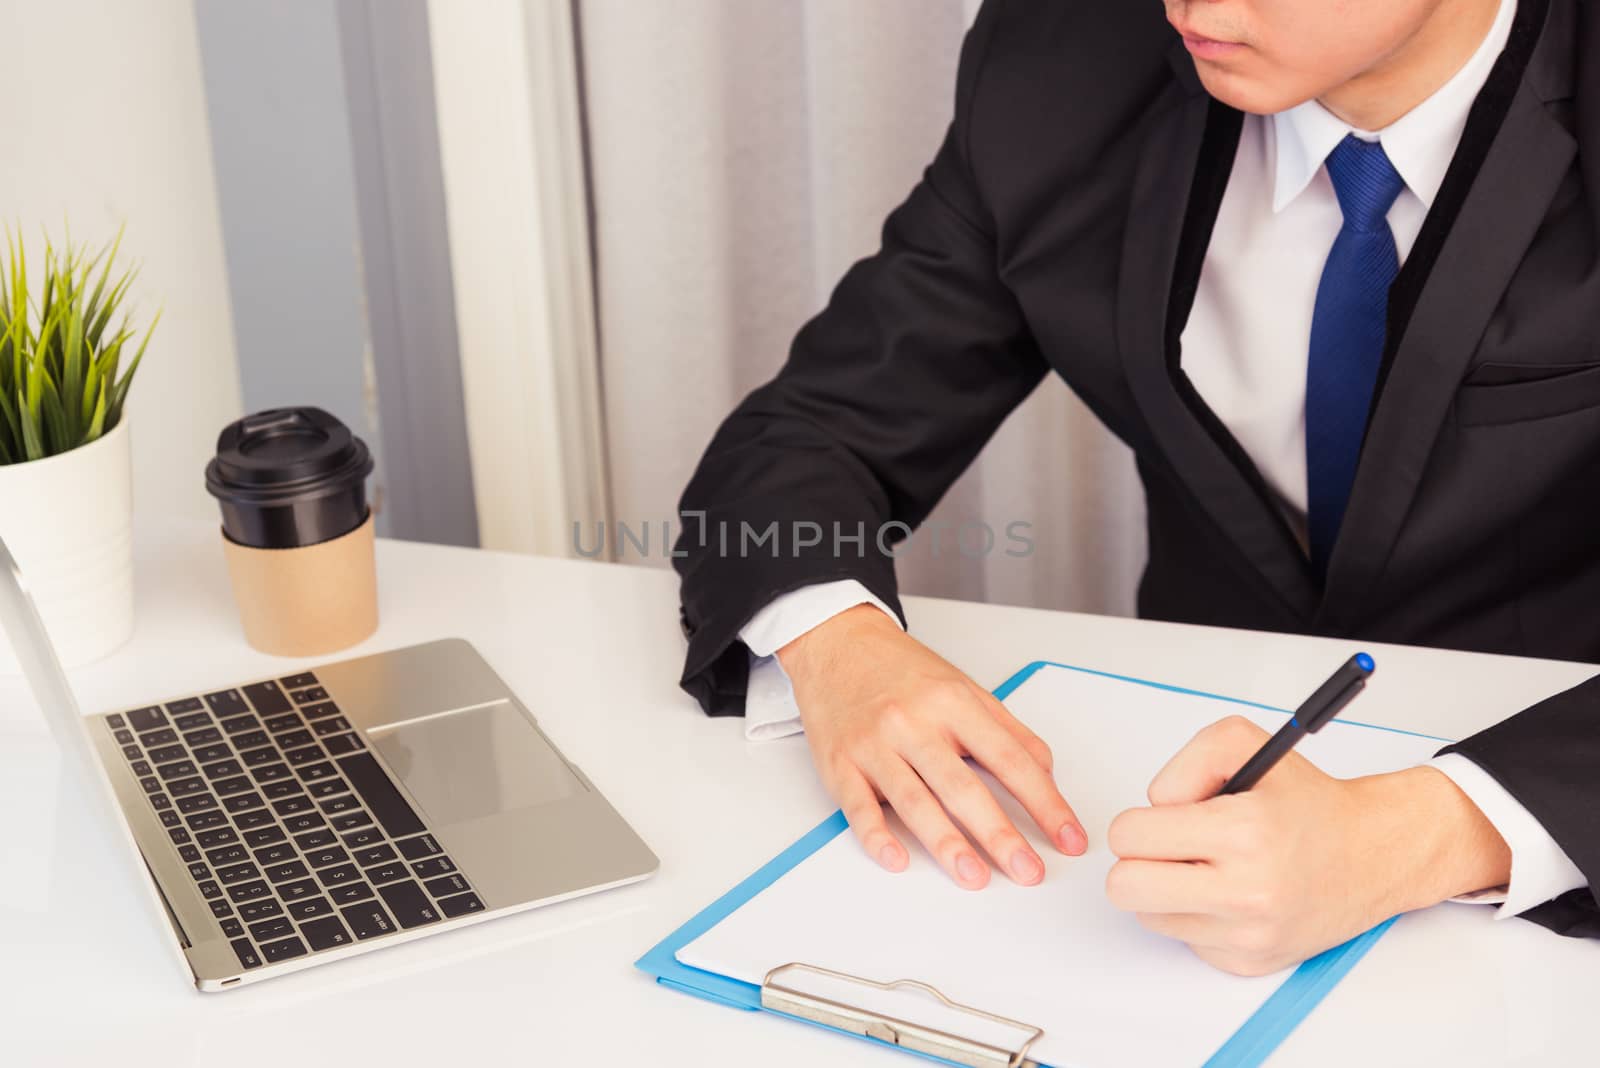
[(595, 651)]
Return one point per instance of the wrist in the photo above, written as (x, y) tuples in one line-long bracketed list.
[(813, 647), (1442, 844)]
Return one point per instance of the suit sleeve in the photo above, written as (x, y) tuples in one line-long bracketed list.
[(1548, 758), (887, 395)]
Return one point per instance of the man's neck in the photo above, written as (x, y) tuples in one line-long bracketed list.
[(1417, 69)]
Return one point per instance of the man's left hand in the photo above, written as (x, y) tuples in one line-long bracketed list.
[(1261, 880)]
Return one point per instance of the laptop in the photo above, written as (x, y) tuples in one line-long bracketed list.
[(299, 820)]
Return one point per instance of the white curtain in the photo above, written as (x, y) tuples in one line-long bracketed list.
[(743, 155)]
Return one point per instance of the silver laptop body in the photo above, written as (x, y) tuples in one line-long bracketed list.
[(294, 821)]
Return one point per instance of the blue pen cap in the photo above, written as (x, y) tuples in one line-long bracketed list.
[(1364, 662)]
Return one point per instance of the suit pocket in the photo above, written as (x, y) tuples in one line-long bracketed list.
[(1505, 393)]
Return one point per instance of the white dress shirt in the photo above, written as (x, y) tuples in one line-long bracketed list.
[(1245, 348)]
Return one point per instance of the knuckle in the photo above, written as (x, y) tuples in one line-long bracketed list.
[(894, 719)]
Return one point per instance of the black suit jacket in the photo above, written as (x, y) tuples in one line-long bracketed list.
[(1062, 228)]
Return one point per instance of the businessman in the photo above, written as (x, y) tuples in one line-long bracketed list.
[(1332, 271)]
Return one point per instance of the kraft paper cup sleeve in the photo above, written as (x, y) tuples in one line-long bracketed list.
[(310, 600)]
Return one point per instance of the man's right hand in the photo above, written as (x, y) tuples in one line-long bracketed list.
[(889, 719)]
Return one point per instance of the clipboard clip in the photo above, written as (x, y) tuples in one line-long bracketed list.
[(781, 991)]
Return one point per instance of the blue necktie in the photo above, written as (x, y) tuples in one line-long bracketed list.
[(1347, 332)]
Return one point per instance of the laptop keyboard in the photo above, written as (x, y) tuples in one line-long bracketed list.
[(290, 829)]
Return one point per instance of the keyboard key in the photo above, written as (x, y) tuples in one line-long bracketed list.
[(426, 869), (246, 953), (197, 872), (275, 854), (203, 736), (250, 740), (123, 737), (286, 722), (226, 703), (446, 885), (304, 821), (193, 721), (341, 744), (266, 930), (237, 873), (185, 787), (281, 788), (344, 895), (374, 786), (367, 921), (249, 891), (294, 739), (255, 910), (306, 908), (131, 752), (116, 720), (421, 846), (282, 873), (263, 836), (321, 858), (249, 821), (178, 770), (330, 725), (327, 788), (344, 873), (325, 933), (295, 891), (157, 739), (364, 837), (254, 758), (189, 853), (305, 754), (196, 802), (220, 909), (319, 711), (314, 840), (147, 719), (188, 704), (239, 723), (169, 819), (202, 821), (220, 837), (409, 905), (160, 801), (307, 696), (232, 929), (298, 682), (150, 785), (209, 889), (222, 769), (205, 754), (289, 947), (266, 697), (374, 855), (342, 803), (238, 784), (271, 772), (142, 768), (313, 772), (387, 873), (167, 753), (345, 821), (242, 802), (460, 905), (229, 854)]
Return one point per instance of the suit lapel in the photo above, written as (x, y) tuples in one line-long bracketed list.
[(1186, 161), (1499, 212)]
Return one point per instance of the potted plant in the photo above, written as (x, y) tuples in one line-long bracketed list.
[(67, 359)]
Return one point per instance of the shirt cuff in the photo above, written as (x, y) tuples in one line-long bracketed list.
[(1540, 868), (770, 710)]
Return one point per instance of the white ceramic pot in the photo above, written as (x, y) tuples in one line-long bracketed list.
[(68, 520)]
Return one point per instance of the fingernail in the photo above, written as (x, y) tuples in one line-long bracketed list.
[(1072, 839), (889, 857), (1026, 867), (968, 870)]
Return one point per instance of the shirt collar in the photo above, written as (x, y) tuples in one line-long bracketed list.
[(1420, 144)]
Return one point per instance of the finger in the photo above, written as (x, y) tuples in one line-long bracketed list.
[(1035, 745), (928, 820), (865, 814), (1199, 931), (1170, 832), (1006, 759), (1156, 886), (1201, 768), (966, 798)]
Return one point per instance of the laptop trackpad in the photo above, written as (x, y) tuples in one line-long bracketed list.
[(475, 763)]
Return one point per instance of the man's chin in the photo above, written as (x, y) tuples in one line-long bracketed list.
[(1249, 93)]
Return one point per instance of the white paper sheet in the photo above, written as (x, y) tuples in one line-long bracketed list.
[(1056, 955)]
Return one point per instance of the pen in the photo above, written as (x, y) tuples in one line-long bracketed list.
[(1309, 718)]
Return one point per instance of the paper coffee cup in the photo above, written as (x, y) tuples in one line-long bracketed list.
[(296, 530)]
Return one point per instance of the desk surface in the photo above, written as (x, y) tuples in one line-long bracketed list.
[(594, 650)]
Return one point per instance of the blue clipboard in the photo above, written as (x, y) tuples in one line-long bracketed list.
[(1268, 1026)]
